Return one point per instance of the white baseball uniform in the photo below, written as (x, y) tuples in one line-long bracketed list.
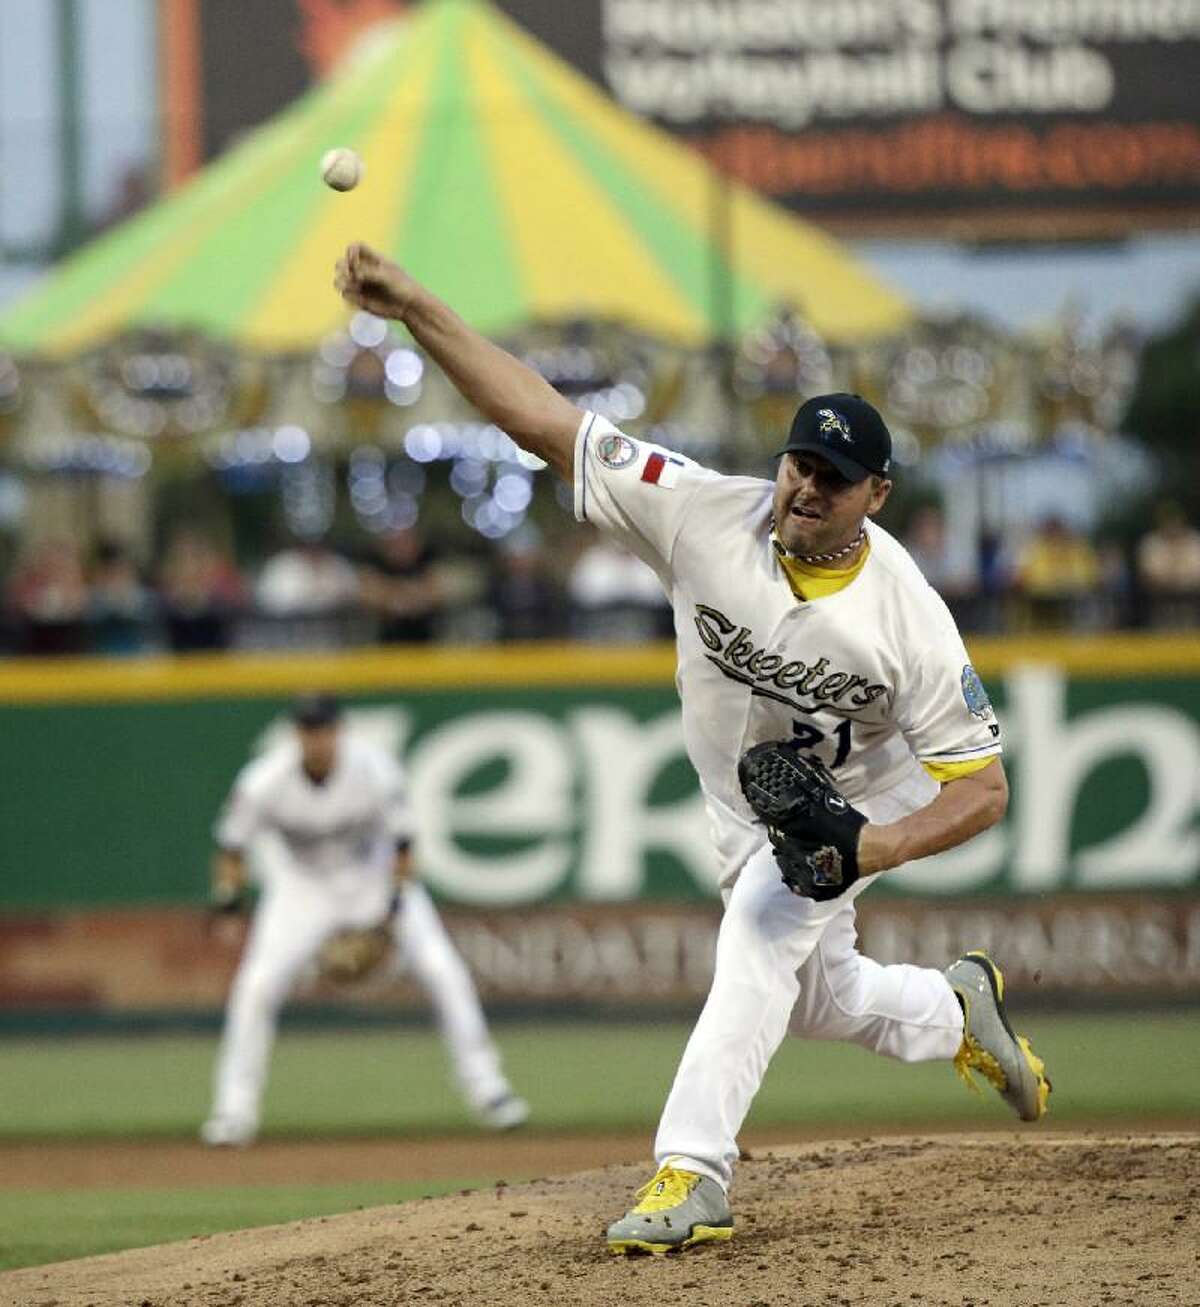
[(868, 669), (326, 853)]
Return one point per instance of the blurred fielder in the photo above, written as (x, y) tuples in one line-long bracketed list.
[(834, 720), (339, 890)]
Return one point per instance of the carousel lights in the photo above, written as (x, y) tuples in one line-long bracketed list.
[(137, 389), (782, 355), (337, 351), (489, 519), (906, 448), (383, 498), (623, 402), (367, 331), (404, 368), (468, 477), (940, 386), (366, 361), (567, 366), (512, 492), (369, 496), (487, 442), (366, 460), (423, 443), (328, 383), (291, 444), (167, 375), (427, 442), (309, 499), (684, 437), (258, 446), (395, 514), (101, 455)]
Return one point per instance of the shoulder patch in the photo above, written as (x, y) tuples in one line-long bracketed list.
[(975, 696), (662, 470), (615, 450)]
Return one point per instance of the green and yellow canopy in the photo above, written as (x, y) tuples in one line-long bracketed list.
[(500, 176)]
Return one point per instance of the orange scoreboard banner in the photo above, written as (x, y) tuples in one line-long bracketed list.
[(886, 113)]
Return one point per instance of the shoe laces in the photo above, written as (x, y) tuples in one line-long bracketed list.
[(972, 1056), (667, 1188)]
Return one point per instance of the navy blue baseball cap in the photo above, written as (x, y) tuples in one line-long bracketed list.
[(314, 710), (847, 431)]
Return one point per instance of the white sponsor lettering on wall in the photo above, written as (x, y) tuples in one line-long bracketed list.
[(567, 809)]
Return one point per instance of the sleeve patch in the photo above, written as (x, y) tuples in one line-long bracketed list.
[(975, 696), (616, 451)]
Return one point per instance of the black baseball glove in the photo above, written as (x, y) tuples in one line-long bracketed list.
[(812, 827)]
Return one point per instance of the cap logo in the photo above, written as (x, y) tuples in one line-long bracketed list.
[(831, 422)]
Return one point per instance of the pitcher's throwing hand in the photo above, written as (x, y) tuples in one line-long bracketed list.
[(368, 280)]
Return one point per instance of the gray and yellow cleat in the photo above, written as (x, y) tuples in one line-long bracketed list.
[(675, 1210), (990, 1046)]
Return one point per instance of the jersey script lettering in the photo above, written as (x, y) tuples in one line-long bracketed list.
[(736, 654)]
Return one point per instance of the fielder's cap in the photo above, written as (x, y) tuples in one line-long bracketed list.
[(847, 431), (312, 710)]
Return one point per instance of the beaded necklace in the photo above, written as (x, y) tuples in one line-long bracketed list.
[(825, 558)]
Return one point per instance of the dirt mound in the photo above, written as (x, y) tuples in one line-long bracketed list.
[(1006, 1221)]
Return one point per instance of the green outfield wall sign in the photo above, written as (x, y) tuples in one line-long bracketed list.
[(543, 777)]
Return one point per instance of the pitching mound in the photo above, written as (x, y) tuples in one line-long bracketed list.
[(1004, 1220)]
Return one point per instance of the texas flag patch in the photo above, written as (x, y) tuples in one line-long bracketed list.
[(662, 470)]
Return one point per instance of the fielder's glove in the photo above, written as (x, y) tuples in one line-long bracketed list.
[(223, 916), (226, 902), (352, 955), (812, 827)]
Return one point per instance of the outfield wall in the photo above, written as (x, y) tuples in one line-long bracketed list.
[(561, 825)]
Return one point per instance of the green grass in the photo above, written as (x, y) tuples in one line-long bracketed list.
[(44, 1227), (1115, 1070), (578, 1078)]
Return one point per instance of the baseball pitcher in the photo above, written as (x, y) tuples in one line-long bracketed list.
[(330, 814), (834, 720)]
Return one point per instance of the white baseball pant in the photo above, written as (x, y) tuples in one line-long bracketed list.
[(782, 960), (296, 914)]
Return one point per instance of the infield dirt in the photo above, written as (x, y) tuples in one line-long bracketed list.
[(1010, 1220)]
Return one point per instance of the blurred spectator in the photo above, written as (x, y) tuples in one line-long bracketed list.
[(48, 595), (950, 573), (402, 584), (201, 592), (616, 597), (1058, 573), (1168, 568), (524, 594), (307, 580), (1115, 595), (120, 609)]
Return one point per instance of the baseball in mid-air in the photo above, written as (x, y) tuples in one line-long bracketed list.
[(341, 169)]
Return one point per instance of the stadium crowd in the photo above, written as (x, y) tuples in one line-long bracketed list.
[(405, 590)]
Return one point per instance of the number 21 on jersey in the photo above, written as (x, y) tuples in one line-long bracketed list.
[(811, 737)]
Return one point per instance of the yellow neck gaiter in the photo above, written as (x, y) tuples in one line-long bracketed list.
[(809, 581)]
